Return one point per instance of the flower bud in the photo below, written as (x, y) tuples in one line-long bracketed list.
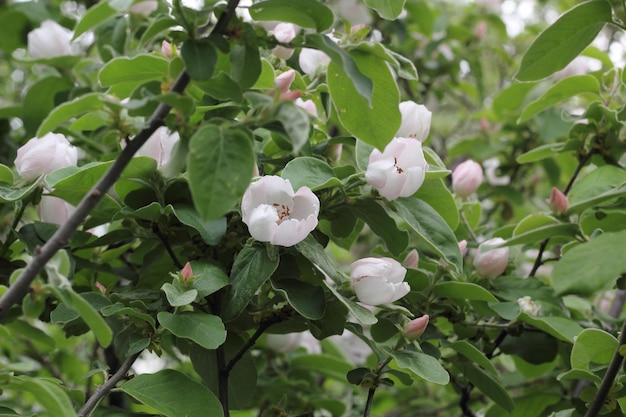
[(284, 33), (480, 30), (312, 59), (307, 105), (463, 247), (186, 272), (284, 80), (54, 210), (466, 178), (558, 201), (166, 49), (411, 260), (144, 7), (159, 146), (378, 280), (415, 121), (49, 40), (44, 155), (490, 263), (415, 328)]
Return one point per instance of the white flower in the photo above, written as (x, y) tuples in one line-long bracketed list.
[(159, 146), (144, 7), (275, 214), (489, 262), (528, 306), (398, 171), (353, 348), (49, 40), (54, 210), (312, 60), (284, 33), (415, 121), (378, 280), (466, 178), (491, 165), (44, 155)]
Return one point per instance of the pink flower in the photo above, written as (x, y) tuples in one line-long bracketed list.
[(166, 49), (275, 214), (411, 260), (144, 7), (159, 146), (307, 105), (491, 262), (463, 247), (284, 80), (415, 121), (415, 328), (398, 171), (54, 210), (186, 272), (378, 280), (49, 40), (44, 155), (284, 33), (558, 201), (466, 178)]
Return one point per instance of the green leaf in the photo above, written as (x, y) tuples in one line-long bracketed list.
[(382, 225), (314, 252), (509, 100), (591, 266), (387, 9), (474, 354), (541, 152), (305, 13), (245, 58), (560, 43), (429, 225), (38, 337), (489, 385), (544, 232), (295, 121), (560, 327), (463, 291), (10, 194), (80, 105), (211, 231), (576, 374), (40, 99), (177, 296), (140, 68), (326, 365), (94, 16), (421, 364), (173, 394), (374, 122), (362, 314), (611, 195), (564, 89), (47, 392), (200, 59), (310, 172), (157, 26), (206, 330), (308, 300), (593, 346), (438, 196), (252, 267), (220, 166), (532, 405), (208, 278)]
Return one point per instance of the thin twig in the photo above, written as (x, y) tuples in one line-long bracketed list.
[(370, 401), (168, 247), (222, 375), (104, 389), (263, 326)]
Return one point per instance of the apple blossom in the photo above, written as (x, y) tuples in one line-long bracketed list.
[(491, 262), (416, 327), (311, 60), (353, 348), (49, 40), (275, 214), (528, 306), (283, 343), (159, 146), (411, 260), (284, 33), (466, 178), (415, 121), (186, 272), (378, 280), (398, 171), (558, 201), (463, 247), (54, 210), (284, 80), (44, 155), (144, 7), (308, 105)]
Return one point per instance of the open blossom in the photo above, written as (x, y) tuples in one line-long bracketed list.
[(49, 40), (415, 121), (398, 171), (491, 262), (378, 280), (44, 155), (144, 7), (284, 33), (54, 210), (466, 178), (159, 146), (275, 214), (416, 327)]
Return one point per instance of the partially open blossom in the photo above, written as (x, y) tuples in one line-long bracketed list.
[(275, 214), (491, 262), (415, 121), (49, 40), (44, 155), (528, 306), (312, 60), (144, 7), (398, 171), (378, 280), (558, 201), (416, 327), (159, 146), (166, 49), (284, 80), (463, 247), (284, 33), (411, 260), (186, 272), (308, 105), (54, 210), (466, 178)]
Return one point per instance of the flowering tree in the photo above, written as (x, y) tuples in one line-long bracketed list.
[(307, 208)]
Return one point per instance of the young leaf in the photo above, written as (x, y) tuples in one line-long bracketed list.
[(47, 392), (309, 14), (200, 58), (593, 346), (140, 68), (64, 112), (489, 385), (311, 172), (560, 43), (421, 364), (94, 16), (384, 226), (205, 329), (387, 9)]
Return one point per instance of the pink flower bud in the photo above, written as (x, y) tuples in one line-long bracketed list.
[(354, 29), (307, 105), (166, 49), (480, 30), (290, 95), (463, 247), (284, 33), (411, 260), (415, 328), (54, 210), (466, 178), (284, 80), (101, 287), (484, 124), (558, 201), (144, 7), (186, 272), (491, 262)]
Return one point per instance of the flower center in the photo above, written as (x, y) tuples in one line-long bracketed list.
[(395, 164), (282, 210)]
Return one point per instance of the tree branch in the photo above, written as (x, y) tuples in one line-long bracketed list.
[(104, 389)]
